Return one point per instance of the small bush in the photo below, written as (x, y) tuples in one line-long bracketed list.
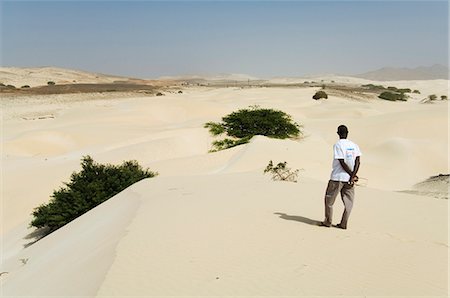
[(10, 86), (180, 92), (242, 125), (25, 86), (373, 87), (392, 96), (319, 95), (432, 97), (51, 83), (92, 186), (444, 97), (281, 172), (416, 91), (159, 94), (2, 85)]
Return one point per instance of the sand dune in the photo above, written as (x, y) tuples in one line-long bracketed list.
[(213, 224), (39, 76)]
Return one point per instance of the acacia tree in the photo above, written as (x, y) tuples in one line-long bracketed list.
[(243, 124)]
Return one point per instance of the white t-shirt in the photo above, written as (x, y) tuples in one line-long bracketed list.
[(348, 151)]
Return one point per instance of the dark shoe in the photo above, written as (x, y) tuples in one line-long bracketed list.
[(340, 227), (322, 224)]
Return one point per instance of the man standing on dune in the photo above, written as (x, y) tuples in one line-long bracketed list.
[(343, 177)]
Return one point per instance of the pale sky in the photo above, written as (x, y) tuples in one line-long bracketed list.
[(149, 39)]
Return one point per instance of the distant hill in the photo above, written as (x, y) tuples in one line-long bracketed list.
[(39, 76), (397, 74)]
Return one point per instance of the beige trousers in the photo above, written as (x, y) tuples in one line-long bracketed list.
[(347, 194)]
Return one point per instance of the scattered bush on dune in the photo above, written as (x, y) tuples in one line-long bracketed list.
[(93, 185), (432, 97), (25, 86), (416, 91), (391, 96), (51, 83), (444, 97), (242, 125), (320, 94), (374, 87)]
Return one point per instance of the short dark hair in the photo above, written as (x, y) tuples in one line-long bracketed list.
[(342, 130)]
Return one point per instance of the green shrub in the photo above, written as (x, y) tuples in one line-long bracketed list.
[(432, 97), (228, 143), (256, 121), (93, 185), (395, 89), (51, 83), (373, 87), (320, 94), (393, 96), (25, 86), (2, 85), (444, 97), (416, 91), (242, 125), (215, 128)]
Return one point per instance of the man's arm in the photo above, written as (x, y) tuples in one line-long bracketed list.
[(347, 169)]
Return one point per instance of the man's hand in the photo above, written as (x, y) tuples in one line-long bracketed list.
[(353, 180)]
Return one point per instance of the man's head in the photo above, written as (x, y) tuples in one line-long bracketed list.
[(342, 131)]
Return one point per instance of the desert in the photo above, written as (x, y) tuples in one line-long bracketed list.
[(212, 223)]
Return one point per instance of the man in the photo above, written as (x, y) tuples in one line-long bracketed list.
[(343, 177)]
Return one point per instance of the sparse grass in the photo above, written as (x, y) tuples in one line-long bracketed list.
[(281, 172)]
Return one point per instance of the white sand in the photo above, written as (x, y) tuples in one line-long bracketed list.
[(211, 223), (40, 76)]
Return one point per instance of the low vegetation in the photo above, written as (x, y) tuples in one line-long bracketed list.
[(241, 126), (395, 89), (373, 87), (432, 97), (93, 185), (393, 96), (281, 172), (51, 83), (320, 94)]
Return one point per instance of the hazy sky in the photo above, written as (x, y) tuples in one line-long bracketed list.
[(271, 38)]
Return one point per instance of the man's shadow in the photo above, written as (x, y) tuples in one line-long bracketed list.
[(298, 218)]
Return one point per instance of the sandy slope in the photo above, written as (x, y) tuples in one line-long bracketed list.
[(212, 223), (39, 76)]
